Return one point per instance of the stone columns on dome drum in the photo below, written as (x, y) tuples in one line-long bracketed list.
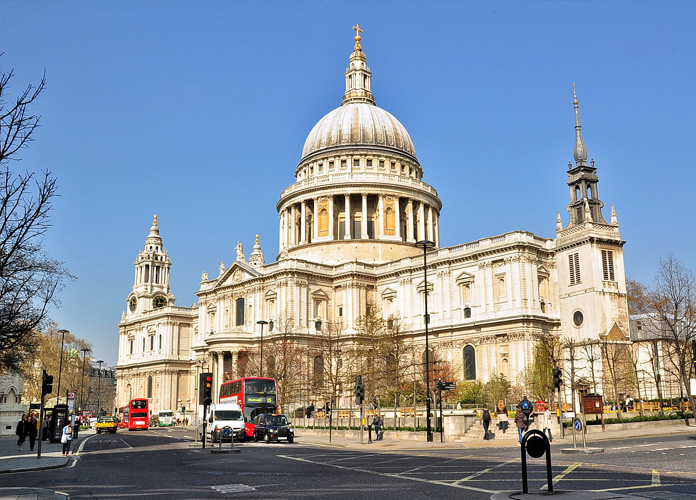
[(347, 218), (363, 226), (396, 218)]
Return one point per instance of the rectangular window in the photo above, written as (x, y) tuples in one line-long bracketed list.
[(608, 265), (152, 342), (369, 163), (240, 312), (574, 266), (130, 342)]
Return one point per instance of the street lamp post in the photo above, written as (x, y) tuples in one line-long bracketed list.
[(82, 389), (261, 322), (425, 244), (99, 390), (60, 368)]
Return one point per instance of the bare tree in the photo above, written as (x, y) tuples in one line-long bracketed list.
[(397, 353), (284, 360), (591, 354), (370, 334), (29, 278), (337, 355), (616, 366), (673, 313)]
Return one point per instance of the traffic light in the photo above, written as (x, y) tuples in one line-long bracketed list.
[(46, 384), (205, 389), (359, 390), (557, 378)]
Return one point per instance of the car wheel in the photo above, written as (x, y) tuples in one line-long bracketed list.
[(291, 439), (267, 438), (256, 438)]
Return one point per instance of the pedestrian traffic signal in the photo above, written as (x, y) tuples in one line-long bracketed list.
[(557, 378), (206, 389), (46, 384)]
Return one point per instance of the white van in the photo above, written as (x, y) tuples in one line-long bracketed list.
[(224, 415)]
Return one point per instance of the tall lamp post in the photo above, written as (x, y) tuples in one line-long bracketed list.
[(261, 322), (99, 390), (82, 389), (60, 368), (425, 244)]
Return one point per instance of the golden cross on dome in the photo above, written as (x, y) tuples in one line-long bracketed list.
[(357, 36), (154, 222)]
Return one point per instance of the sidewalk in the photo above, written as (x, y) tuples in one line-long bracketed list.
[(391, 443), (14, 461)]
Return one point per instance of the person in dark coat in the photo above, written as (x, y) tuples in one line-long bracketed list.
[(22, 430), (76, 427), (32, 430), (520, 422), (485, 421)]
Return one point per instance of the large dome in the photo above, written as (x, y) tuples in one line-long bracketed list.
[(358, 124)]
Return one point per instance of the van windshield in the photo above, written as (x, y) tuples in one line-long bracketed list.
[(228, 415)]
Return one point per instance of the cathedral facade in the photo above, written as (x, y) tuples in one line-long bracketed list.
[(348, 229)]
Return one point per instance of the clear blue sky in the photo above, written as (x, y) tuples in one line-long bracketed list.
[(198, 111)]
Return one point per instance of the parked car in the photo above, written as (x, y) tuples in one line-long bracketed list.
[(270, 426)]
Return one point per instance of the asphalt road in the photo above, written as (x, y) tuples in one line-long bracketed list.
[(159, 464)]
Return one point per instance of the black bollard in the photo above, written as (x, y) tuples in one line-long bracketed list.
[(369, 434), (536, 444)]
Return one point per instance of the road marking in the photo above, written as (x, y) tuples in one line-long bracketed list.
[(656, 477), (232, 488), (392, 475), (477, 474), (126, 443), (563, 474)]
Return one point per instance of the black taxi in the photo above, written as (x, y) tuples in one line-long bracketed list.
[(273, 427)]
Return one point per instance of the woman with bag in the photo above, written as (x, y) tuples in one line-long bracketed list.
[(66, 439)]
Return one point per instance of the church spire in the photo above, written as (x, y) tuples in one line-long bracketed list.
[(358, 75), (585, 205), (580, 151)]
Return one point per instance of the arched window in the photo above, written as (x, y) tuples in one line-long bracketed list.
[(469, 363), (389, 222), (149, 387)]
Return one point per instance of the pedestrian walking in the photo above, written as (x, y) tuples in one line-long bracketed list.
[(377, 424), (22, 430), (32, 430), (545, 421), (76, 427), (66, 439), (486, 421), (520, 422)]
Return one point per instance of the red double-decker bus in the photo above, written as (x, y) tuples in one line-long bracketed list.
[(134, 416), (254, 395)]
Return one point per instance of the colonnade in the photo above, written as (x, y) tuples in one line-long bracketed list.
[(363, 216)]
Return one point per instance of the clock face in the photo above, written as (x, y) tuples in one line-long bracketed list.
[(133, 303), (159, 302)]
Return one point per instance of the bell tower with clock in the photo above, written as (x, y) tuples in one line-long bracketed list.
[(151, 286)]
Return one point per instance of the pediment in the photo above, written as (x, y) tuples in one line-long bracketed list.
[(388, 293), (542, 272), (421, 287), (616, 334), (319, 294), (236, 273), (465, 278)]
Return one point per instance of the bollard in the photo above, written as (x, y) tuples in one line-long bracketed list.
[(369, 434), (536, 444)]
